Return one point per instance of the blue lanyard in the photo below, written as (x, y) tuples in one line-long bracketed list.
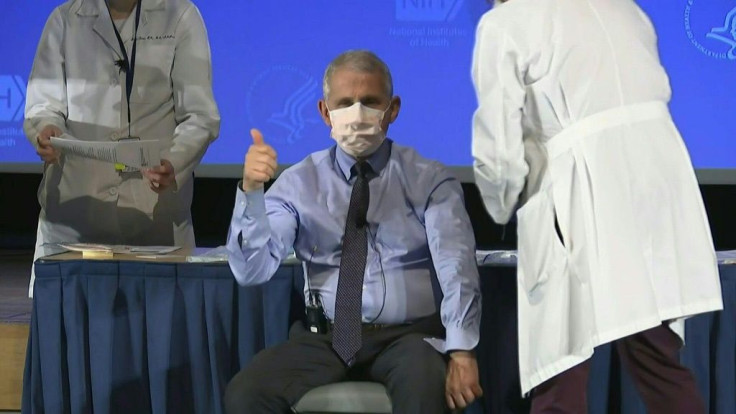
[(129, 63)]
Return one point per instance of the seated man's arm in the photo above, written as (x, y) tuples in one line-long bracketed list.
[(452, 245), (262, 232)]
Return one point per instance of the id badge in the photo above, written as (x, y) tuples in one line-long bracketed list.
[(122, 168)]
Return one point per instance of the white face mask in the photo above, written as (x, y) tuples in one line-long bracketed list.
[(357, 129)]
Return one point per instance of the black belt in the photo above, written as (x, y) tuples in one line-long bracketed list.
[(376, 326)]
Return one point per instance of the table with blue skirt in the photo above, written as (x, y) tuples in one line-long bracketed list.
[(125, 335)]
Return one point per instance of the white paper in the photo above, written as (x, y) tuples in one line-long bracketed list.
[(496, 257), (133, 153), (218, 254), (727, 257), (154, 249), (114, 248), (86, 247)]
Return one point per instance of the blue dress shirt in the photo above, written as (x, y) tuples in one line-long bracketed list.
[(419, 233)]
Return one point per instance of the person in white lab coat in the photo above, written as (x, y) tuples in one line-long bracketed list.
[(573, 129), (78, 86)]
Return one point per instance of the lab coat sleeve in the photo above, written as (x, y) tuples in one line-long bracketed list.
[(46, 91), (498, 148), (197, 117)]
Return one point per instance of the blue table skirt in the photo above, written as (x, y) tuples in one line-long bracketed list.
[(133, 337)]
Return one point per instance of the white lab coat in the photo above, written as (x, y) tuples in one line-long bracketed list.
[(76, 86), (573, 125)]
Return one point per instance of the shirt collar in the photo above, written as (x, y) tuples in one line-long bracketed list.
[(377, 160)]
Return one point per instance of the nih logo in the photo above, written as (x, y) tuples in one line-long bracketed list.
[(12, 96), (427, 10)]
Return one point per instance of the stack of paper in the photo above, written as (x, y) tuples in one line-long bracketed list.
[(106, 251), (727, 257), (90, 250), (133, 153), (218, 254)]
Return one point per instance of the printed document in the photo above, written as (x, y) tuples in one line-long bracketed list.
[(133, 153)]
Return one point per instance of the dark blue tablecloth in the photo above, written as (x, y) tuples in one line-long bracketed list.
[(133, 337)]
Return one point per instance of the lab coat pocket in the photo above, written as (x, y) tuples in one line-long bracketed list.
[(153, 73), (541, 251)]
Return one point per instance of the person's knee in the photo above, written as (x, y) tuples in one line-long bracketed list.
[(244, 392), (237, 394)]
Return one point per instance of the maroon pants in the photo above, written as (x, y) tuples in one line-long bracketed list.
[(651, 357)]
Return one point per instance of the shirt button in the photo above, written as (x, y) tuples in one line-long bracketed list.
[(365, 287), (114, 136), (114, 191)]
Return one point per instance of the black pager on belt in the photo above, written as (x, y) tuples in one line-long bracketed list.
[(316, 319)]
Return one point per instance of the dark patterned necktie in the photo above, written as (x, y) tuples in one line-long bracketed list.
[(346, 335)]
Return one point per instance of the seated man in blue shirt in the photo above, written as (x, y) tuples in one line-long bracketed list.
[(374, 223)]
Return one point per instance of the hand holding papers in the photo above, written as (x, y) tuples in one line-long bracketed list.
[(45, 150), (133, 153)]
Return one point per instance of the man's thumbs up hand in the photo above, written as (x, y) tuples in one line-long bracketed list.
[(260, 163)]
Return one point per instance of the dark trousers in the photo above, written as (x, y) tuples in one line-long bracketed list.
[(651, 357), (412, 371)]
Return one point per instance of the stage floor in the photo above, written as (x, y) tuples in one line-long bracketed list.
[(15, 317), (15, 274)]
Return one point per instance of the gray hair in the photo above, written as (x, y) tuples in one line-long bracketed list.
[(363, 61)]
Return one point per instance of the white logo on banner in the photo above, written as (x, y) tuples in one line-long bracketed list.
[(12, 98), (705, 30), (440, 28), (427, 10), (282, 100)]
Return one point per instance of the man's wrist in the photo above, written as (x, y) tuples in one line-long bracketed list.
[(461, 353), (248, 187)]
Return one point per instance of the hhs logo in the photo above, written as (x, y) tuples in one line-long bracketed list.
[(711, 27), (281, 99), (427, 10), (726, 34), (12, 96)]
